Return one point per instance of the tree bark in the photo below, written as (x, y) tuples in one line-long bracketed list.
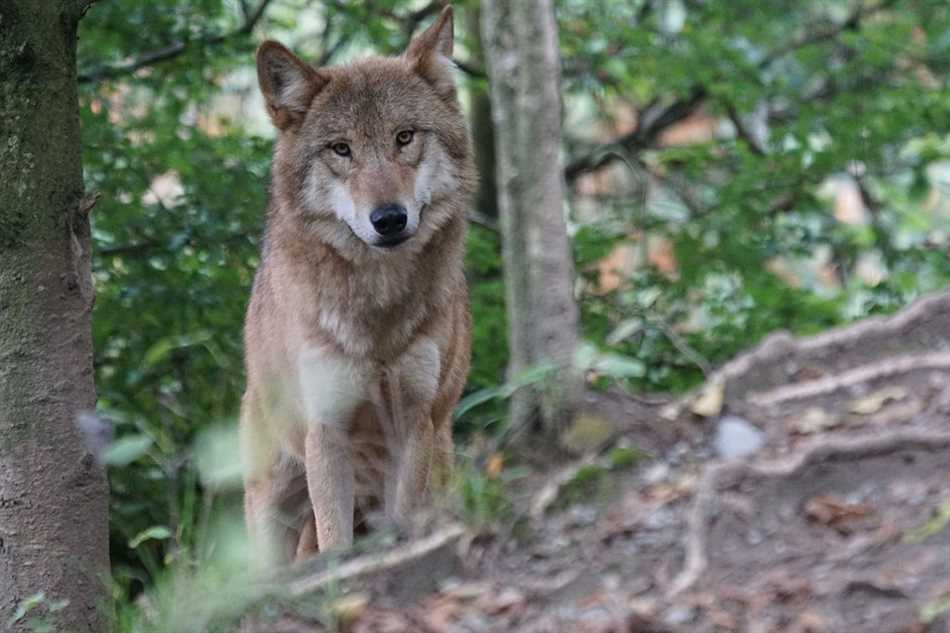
[(53, 494), (520, 37), (479, 102)]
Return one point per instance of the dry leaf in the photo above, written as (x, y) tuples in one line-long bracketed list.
[(814, 420), (810, 622), (496, 603), (348, 608), (710, 400), (494, 466), (876, 401), (835, 513)]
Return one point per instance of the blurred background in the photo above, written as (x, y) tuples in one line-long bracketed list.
[(732, 167)]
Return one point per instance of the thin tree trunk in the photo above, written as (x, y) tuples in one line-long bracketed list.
[(53, 494), (486, 200), (520, 38)]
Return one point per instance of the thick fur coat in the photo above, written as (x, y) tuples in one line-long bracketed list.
[(358, 330)]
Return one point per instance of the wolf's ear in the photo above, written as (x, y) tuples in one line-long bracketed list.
[(430, 53), (287, 83)]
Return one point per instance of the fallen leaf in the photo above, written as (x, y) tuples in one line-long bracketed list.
[(494, 466), (587, 433), (495, 603), (443, 613), (710, 400), (349, 608), (813, 420), (383, 621), (810, 622), (671, 490), (835, 513), (896, 413), (875, 402)]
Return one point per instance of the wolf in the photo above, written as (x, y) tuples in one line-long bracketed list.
[(357, 333)]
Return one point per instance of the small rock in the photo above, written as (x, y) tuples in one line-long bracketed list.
[(754, 537), (736, 438), (582, 515), (656, 473), (658, 520), (678, 616)]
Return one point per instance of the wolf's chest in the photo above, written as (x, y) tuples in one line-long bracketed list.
[(333, 387), (369, 331)]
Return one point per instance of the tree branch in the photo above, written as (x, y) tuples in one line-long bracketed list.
[(851, 23), (652, 123), (82, 6), (172, 50), (470, 70), (411, 21), (483, 221), (742, 131), (649, 129)]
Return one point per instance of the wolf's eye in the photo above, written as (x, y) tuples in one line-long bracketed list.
[(404, 138), (341, 149)]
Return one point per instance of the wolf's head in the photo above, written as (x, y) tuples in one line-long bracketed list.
[(375, 152)]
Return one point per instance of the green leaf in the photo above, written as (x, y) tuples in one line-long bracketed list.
[(475, 399), (126, 450), (624, 330), (529, 377), (617, 366), (162, 348), (154, 533), (28, 604)]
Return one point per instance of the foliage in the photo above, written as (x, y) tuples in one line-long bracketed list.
[(592, 482), (804, 95), (794, 97), (934, 525), (483, 498)]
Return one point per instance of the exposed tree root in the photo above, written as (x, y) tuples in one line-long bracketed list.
[(723, 475)]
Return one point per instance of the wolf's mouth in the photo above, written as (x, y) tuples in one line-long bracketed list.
[(390, 243)]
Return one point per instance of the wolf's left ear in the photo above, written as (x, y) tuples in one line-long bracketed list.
[(431, 54)]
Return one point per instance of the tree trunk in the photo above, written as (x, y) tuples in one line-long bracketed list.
[(53, 494), (520, 37), (479, 102)]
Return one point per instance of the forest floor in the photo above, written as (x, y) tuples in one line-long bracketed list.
[(804, 489)]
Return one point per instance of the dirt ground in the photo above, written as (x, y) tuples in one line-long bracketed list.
[(804, 489)]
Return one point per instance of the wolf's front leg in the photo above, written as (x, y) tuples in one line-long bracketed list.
[(414, 385), (414, 469), (330, 479), (332, 390)]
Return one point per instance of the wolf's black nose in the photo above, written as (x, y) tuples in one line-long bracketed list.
[(389, 219)]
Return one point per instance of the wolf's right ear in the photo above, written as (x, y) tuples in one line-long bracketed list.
[(287, 83)]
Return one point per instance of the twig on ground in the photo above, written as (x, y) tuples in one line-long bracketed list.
[(376, 563)]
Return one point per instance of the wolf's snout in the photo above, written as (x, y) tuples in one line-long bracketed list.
[(389, 220)]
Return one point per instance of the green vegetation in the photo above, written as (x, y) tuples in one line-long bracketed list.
[(734, 224)]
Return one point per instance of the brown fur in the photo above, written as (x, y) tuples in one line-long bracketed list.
[(355, 354)]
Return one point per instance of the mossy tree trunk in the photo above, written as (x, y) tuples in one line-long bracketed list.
[(53, 494), (520, 39)]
